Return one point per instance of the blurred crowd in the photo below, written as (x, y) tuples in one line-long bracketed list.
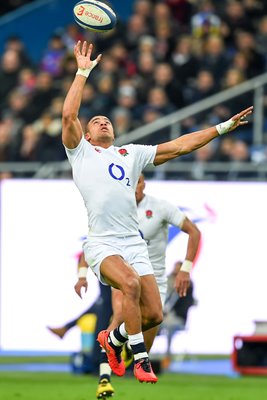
[(167, 55), (10, 5)]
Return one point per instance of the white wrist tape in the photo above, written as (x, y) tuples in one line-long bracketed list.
[(86, 71), (82, 272), (224, 127), (186, 266)]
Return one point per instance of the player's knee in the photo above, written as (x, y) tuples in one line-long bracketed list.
[(132, 286), (153, 318)]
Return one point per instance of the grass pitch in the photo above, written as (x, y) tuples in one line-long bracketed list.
[(57, 386)]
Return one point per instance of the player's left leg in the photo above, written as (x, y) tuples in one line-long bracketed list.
[(151, 311), (150, 303)]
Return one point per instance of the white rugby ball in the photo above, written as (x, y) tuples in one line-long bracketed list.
[(94, 15)]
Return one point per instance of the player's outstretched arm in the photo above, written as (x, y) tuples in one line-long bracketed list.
[(71, 127), (192, 141)]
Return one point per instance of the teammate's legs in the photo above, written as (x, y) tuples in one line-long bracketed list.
[(104, 385)]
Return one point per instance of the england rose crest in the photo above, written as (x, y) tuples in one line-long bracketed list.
[(149, 214), (123, 152)]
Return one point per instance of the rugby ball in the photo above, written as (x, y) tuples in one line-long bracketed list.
[(94, 15)]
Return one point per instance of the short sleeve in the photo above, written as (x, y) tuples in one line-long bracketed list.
[(72, 154)]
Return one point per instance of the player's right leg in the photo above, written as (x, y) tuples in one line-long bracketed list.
[(119, 274)]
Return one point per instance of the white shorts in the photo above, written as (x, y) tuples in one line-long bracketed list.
[(162, 285), (132, 249)]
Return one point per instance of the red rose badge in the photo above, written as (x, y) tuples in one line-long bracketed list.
[(123, 152), (149, 214)]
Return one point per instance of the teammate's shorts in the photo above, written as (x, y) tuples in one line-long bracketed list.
[(132, 249), (162, 285)]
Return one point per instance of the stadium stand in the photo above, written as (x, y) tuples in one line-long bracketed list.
[(165, 57)]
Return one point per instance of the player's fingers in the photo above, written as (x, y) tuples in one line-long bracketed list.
[(84, 47), (77, 47), (243, 114), (98, 58), (184, 290), (89, 50)]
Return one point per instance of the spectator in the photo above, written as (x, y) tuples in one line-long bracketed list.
[(15, 43), (53, 56), (232, 78), (18, 108), (122, 121), (125, 65), (240, 154), (205, 22), (28, 149), (234, 19), (214, 57), (10, 65), (164, 78), (261, 37), (71, 34), (88, 99), (27, 80), (224, 150), (43, 94), (183, 60), (245, 42), (182, 12), (105, 100), (201, 157), (144, 8), (203, 87), (127, 99), (157, 99), (6, 143), (136, 28), (146, 64)]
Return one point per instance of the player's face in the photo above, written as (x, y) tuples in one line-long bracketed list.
[(100, 130), (139, 191)]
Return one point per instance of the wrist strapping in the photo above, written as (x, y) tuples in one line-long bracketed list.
[(86, 71), (224, 127), (82, 272), (186, 266)]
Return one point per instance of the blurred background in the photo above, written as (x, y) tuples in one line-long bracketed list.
[(168, 68)]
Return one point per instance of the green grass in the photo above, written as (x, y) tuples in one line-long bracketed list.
[(57, 386), (34, 359)]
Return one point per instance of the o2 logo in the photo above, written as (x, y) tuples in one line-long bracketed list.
[(117, 172)]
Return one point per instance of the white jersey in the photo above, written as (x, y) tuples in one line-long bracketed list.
[(154, 217), (107, 179)]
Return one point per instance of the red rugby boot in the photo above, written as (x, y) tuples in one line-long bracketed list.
[(114, 355), (144, 372)]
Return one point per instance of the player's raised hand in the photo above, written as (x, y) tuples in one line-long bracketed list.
[(240, 118), (234, 122), (83, 52)]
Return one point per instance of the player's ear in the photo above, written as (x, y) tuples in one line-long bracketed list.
[(87, 136)]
